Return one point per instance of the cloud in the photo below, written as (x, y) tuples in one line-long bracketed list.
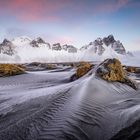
[(137, 41), (52, 38), (133, 44), (65, 40), (110, 6), (57, 10), (14, 32), (61, 39), (33, 10)]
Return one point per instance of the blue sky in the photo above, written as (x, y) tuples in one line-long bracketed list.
[(76, 22)]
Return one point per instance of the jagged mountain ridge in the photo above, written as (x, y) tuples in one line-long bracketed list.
[(99, 45), (24, 49), (38, 42)]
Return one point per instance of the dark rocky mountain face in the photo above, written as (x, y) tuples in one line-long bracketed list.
[(69, 48), (118, 47), (109, 41), (39, 41), (98, 43), (6, 47), (56, 47), (72, 49), (6, 42)]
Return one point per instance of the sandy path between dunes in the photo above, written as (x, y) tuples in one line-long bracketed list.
[(45, 106)]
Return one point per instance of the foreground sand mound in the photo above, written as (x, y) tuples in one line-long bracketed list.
[(10, 70), (112, 70)]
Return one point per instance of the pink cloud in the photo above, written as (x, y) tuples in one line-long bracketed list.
[(58, 39), (32, 10), (38, 10), (66, 40), (62, 40)]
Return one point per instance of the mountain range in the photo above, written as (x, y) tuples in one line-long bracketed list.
[(23, 48)]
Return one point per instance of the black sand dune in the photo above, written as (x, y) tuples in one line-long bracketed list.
[(43, 105)]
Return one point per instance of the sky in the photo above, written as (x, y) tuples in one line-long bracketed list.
[(75, 22)]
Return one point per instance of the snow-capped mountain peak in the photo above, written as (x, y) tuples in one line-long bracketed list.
[(108, 40), (21, 41), (7, 47), (100, 45), (39, 42)]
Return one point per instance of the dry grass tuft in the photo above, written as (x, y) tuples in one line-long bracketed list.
[(51, 66), (112, 70), (82, 69), (115, 71), (10, 70)]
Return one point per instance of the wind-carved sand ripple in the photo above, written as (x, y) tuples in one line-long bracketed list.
[(86, 109)]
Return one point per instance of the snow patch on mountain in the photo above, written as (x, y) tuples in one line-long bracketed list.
[(21, 41)]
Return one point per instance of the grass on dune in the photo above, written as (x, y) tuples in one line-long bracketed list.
[(10, 70)]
